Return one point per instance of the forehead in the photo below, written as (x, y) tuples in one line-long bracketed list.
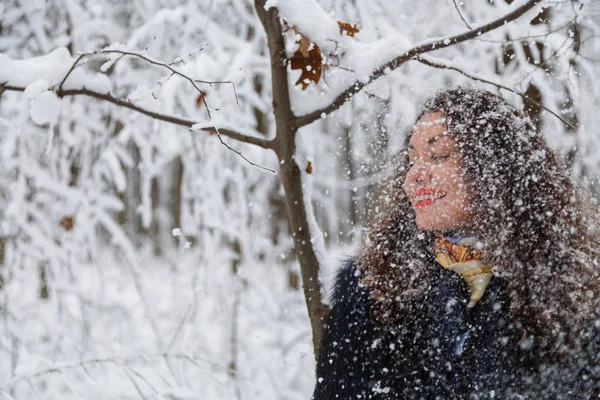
[(429, 129)]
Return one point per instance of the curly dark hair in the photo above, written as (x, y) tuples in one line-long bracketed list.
[(537, 225)]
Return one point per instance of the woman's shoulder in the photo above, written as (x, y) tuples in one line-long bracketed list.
[(347, 285), (349, 297), (341, 367)]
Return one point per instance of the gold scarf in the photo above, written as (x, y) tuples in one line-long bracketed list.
[(467, 263)]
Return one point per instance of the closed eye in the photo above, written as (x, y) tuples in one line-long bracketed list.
[(433, 158)]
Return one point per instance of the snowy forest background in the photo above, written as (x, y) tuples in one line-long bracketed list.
[(143, 259)]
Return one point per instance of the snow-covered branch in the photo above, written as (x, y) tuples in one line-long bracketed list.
[(447, 65), (429, 46), (27, 72), (461, 15), (121, 53), (192, 125)]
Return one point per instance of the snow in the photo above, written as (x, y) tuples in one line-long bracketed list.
[(44, 106), (51, 68), (317, 240), (361, 54)]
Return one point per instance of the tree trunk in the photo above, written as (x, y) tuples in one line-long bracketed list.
[(290, 174), (174, 199)]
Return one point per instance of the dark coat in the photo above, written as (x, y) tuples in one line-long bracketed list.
[(442, 350)]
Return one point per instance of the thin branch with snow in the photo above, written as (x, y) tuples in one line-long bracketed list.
[(152, 61), (439, 65), (217, 131), (240, 137), (410, 54), (461, 14)]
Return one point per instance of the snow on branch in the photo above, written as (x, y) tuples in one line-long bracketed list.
[(386, 67), (192, 125), (52, 68), (312, 21), (215, 130), (116, 49), (461, 15), (452, 66), (36, 75)]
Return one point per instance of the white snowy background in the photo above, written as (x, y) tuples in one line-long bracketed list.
[(140, 259)]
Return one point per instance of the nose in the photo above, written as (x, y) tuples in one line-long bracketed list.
[(418, 173)]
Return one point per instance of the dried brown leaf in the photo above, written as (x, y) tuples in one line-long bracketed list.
[(308, 60), (309, 168), (348, 28), (200, 99), (67, 223)]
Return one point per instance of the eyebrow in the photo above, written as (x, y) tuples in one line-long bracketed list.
[(429, 141)]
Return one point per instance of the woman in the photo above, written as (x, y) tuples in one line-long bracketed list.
[(479, 276)]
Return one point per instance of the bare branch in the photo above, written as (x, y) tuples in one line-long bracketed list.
[(59, 90), (237, 101), (116, 359), (541, 35), (217, 130), (179, 328), (498, 85), (461, 15), (412, 53), (161, 64), (60, 85), (264, 143), (135, 384)]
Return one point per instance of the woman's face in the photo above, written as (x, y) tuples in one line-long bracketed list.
[(434, 183)]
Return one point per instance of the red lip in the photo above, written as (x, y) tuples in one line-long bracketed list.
[(427, 192), (423, 203)]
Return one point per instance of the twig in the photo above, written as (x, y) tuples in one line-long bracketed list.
[(135, 384), (3, 87), (336, 56), (60, 85), (461, 15), (264, 143), (59, 90), (57, 369), (541, 35), (142, 377), (498, 85), (179, 328), (162, 64), (239, 284), (239, 153), (232, 84), (410, 54)]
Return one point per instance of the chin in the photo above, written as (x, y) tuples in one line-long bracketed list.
[(432, 226)]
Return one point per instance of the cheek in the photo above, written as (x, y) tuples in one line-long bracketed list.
[(458, 199), (459, 208), (460, 189), (409, 179), (453, 180)]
